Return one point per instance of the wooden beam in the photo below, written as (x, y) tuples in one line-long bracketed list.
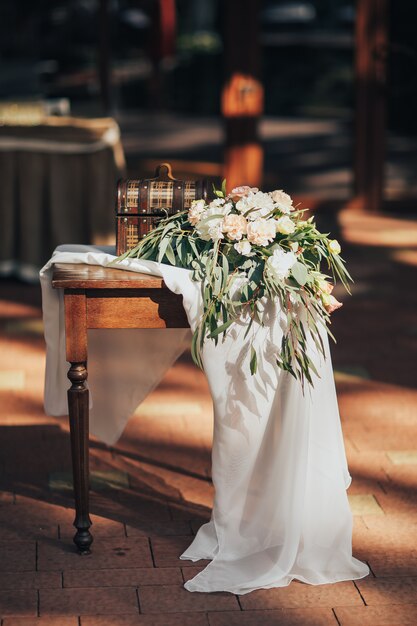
[(242, 96), (371, 79), (103, 55)]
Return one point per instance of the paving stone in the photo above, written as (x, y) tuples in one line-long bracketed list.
[(164, 619), (18, 602), (364, 485), (12, 380), (387, 541), (99, 480), (396, 503), (12, 531), (190, 572), (389, 590), (159, 409), (29, 511), (197, 515), (142, 508), (123, 577), (167, 550), (298, 595), (41, 621), (280, 617), (400, 615), (30, 580), (402, 457), (17, 556), (176, 599), (394, 563), (364, 504), (173, 528), (401, 478), (104, 601), (108, 554)]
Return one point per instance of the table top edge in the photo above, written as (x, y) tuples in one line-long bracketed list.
[(84, 276)]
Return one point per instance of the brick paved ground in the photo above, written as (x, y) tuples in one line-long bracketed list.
[(152, 490)]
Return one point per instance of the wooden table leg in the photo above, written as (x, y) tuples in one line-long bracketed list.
[(78, 416), (78, 409)]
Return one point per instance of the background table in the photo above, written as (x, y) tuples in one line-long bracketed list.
[(57, 184), (97, 297)]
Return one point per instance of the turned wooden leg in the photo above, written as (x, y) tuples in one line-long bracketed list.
[(76, 347), (78, 416)]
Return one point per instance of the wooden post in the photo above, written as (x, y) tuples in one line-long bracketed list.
[(242, 96), (162, 47), (103, 55), (371, 51)]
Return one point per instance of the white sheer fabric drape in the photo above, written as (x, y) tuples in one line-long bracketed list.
[(279, 468)]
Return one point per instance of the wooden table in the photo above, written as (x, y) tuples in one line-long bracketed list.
[(98, 297)]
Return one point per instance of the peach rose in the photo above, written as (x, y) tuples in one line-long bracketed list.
[(282, 200), (243, 190), (261, 232), (235, 226)]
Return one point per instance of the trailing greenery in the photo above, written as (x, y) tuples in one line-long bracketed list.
[(247, 246)]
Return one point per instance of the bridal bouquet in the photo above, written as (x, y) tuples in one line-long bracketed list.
[(246, 246)]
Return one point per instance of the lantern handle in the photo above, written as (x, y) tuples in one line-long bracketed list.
[(164, 172)]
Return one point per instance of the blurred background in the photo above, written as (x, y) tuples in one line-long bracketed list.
[(316, 97)]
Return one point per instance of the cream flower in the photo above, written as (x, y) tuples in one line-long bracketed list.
[(210, 229), (334, 246), (324, 286), (282, 200), (210, 225), (243, 247), (330, 303), (280, 264), (234, 226), (255, 205), (261, 232), (217, 202), (284, 225), (196, 210)]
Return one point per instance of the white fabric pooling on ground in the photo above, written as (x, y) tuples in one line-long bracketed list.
[(280, 509)]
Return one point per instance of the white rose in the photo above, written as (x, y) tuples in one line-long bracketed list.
[(334, 246), (196, 211), (217, 202), (261, 232), (282, 200), (280, 263), (284, 225), (234, 226), (215, 231), (211, 229), (255, 205), (243, 247)]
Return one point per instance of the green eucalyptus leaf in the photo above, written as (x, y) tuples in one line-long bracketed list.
[(300, 273), (253, 361)]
